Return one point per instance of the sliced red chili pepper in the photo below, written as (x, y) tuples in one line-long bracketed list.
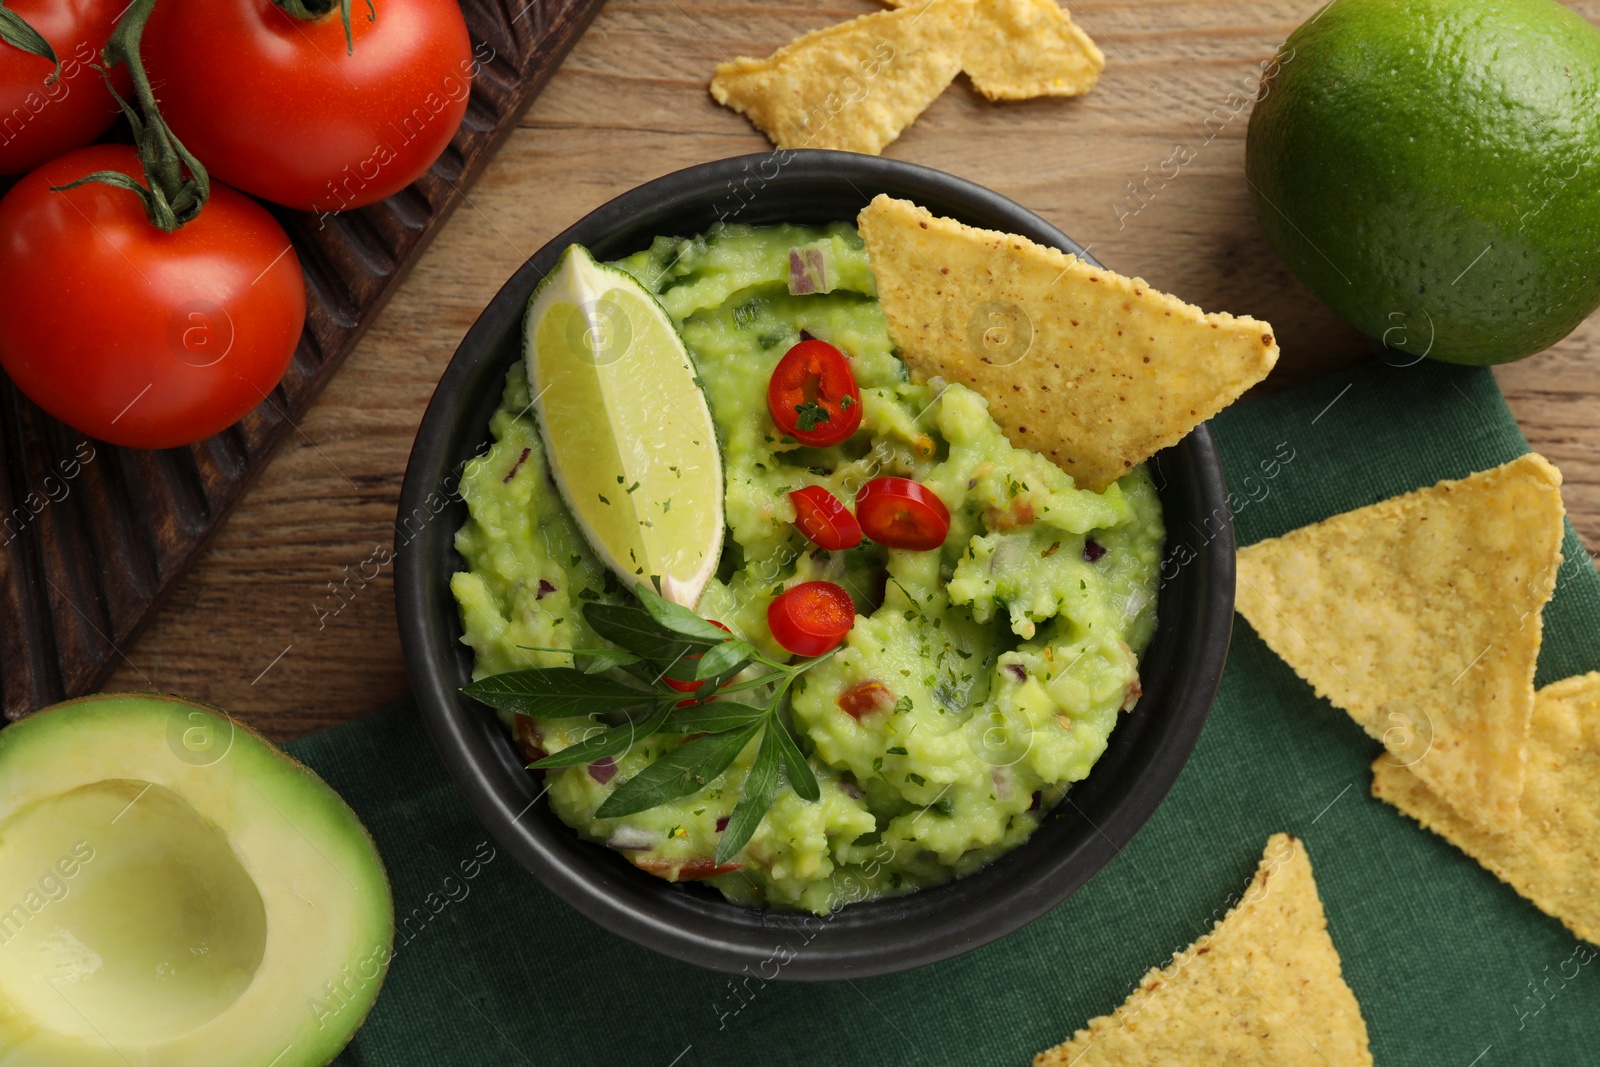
[(812, 618), (901, 513), (813, 396), (680, 675), (824, 519)]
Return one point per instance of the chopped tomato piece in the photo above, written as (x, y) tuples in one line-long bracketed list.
[(693, 871), (529, 741), (1015, 517), (813, 396), (824, 519), (901, 513), (865, 699), (812, 618)]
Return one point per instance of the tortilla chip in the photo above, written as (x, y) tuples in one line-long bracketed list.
[(1019, 49), (854, 86), (1091, 369), (1552, 854), (1264, 986), (1420, 616)]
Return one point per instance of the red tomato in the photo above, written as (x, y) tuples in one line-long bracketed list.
[(812, 618), (135, 336), (823, 519), (813, 397), (40, 121), (277, 107), (680, 675), (901, 513), (693, 871)]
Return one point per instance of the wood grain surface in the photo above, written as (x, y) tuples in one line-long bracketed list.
[(289, 621)]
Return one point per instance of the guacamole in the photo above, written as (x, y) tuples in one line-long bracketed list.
[(979, 681)]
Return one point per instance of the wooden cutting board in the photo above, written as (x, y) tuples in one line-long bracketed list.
[(94, 538)]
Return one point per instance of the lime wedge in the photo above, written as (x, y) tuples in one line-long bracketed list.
[(626, 425)]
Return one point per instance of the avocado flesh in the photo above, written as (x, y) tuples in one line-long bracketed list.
[(175, 891)]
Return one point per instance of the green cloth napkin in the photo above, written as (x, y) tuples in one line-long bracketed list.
[(1450, 966)]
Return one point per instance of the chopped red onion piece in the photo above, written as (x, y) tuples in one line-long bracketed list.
[(722, 824), (1093, 550), (603, 770), (545, 589), (848, 787), (808, 272), (515, 467)]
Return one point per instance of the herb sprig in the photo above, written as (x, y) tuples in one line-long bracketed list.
[(652, 637)]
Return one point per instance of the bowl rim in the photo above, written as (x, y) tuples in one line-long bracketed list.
[(430, 644)]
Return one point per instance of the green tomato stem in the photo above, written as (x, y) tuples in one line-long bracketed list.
[(176, 185), (312, 10)]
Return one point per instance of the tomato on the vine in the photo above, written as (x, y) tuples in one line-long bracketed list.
[(812, 618), (136, 336), (43, 117), (279, 106), (825, 521), (901, 513), (813, 396)]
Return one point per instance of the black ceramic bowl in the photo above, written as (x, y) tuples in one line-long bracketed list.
[(1180, 672)]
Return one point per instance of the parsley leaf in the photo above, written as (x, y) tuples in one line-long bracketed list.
[(553, 692), (810, 415), (760, 790), (607, 743), (647, 637), (685, 770), (717, 717), (800, 776)]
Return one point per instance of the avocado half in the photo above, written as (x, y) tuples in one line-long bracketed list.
[(177, 892)]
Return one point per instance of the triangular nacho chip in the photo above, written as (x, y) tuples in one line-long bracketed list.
[(854, 86), (1095, 371), (1019, 49), (1420, 616), (1551, 855), (1263, 987)]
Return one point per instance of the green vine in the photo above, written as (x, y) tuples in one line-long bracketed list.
[(15, 31), (176, 185), (311, 10)]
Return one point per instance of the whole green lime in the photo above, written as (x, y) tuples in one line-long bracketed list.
[(1431, 170)]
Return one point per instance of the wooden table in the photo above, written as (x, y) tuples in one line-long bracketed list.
[(289, 621)]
